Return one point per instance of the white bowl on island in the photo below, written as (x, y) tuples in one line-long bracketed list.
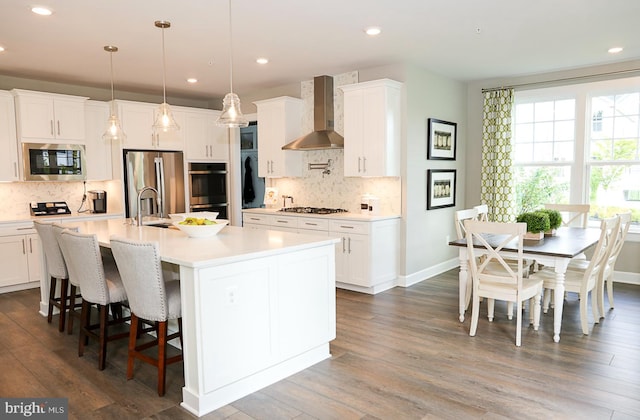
[(202, 231), (199, 214)]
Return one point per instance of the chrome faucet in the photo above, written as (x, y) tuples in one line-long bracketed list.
[(139, 217)]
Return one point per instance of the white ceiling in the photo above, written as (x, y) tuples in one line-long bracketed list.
[(462, 39)]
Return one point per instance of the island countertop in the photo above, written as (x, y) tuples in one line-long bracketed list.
[(231, 244)]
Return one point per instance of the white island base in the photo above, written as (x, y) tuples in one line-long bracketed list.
[(257, 305)]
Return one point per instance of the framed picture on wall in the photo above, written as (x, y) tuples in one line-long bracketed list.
[(441, 188), (441, 139)]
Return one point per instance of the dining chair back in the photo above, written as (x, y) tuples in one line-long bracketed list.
[(584, 280), (99, 286), (483, 212), (496, 278), (572, 214), (151, 298), (607, 277), (56, 269), (460, 217)]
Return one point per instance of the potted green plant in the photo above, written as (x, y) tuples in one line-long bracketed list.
[(537, 223), (555, 221)]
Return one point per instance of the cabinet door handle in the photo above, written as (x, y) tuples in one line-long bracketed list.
[(58, 127), (346, 227), (343, 244), (311, 224), (24, 247), (15, 169), (364, 164), (359, 164), (51, 126), (30, 246), (349, 245)]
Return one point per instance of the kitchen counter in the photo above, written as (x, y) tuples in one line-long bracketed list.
[(334, 216), (257, 305), (74, 216)]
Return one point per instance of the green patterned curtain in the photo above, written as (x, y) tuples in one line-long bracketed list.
[(498, 191)]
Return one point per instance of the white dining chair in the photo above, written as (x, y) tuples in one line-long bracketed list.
[(460, 216), (576, 215), (495, 278), (585, 282)]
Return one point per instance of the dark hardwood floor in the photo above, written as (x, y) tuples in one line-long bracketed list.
[(401, 354)]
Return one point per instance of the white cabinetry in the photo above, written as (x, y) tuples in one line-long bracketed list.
[(20, 259), (205, 141), (367, 255), (8, 142), (49, 117), (279, 122), (98, 151), (372, 128), (137, 119)]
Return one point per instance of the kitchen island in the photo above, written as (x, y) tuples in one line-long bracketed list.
[(257, 305)]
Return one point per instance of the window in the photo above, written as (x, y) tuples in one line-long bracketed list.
[(579, 143)]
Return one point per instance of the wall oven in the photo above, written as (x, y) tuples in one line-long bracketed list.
[(208, 188), (53, 162)]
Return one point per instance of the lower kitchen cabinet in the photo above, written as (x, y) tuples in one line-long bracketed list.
[(367, 255), (21, 261)]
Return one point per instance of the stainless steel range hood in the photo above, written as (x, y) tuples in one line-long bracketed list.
[(323, 136)]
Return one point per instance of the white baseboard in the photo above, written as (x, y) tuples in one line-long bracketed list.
[(427, 273)]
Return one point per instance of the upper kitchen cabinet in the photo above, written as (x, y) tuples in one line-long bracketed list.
[(8, 143), (279, 122), (137, 119), (205, 141), (48, 117), (98, 151), (372, 118)]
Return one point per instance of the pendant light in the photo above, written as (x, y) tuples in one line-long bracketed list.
[(114, 130), (164, 117), (231, 115)]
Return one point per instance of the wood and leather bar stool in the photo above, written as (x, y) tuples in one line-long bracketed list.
[(100, 285), (151, 299), (75, 299), (57, 270)]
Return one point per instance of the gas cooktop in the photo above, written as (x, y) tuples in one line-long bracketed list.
[(313, 210)]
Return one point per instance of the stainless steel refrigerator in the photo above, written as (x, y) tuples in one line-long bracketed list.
[(161, 170)]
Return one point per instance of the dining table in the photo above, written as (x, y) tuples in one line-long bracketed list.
[(553, 251)]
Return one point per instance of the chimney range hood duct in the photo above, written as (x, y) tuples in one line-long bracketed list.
[(323, 135)]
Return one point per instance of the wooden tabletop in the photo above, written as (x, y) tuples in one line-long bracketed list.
[(568, 242)]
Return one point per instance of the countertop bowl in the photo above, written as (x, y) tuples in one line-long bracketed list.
[(211, 215), (202, 231)]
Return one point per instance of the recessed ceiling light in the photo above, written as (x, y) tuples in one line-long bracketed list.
[(1, 48), (615, 50), (262, 60), (373, 31), (42, 11), (192, 80)]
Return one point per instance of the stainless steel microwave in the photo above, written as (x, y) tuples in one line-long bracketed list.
[(54, 162)]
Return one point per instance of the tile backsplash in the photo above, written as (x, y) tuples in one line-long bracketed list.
[(335, 190), (16, 196)]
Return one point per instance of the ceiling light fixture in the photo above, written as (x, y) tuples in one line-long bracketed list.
[(615, 50), (192, 80), (164, 118), (262, 60), (42, 11), (373, 31), (1, 49), (114, 129), (231, 115)]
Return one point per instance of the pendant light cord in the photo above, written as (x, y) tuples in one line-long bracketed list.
[(230, 52), (164, 70), (111, 69)]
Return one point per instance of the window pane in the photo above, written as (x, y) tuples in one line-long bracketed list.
[(538, 185), (601, 150), (564, 130), (543, 152), (543, 132), (566, 110), (524, 113), (614, 189), (625, 150), (563, 151), (602, 105), (523, 152), (625, 127), (627, 104), (544, 111), (602, 129), (523, 133)]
